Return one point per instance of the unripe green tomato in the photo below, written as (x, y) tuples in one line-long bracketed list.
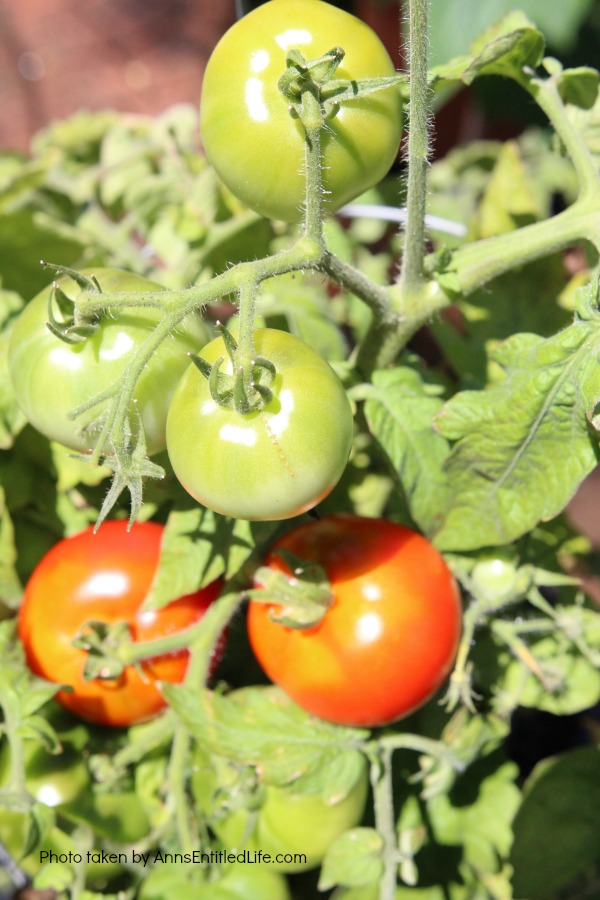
[(287, 822), (51, 378), (270, 464), (53, 779), (257, 147)]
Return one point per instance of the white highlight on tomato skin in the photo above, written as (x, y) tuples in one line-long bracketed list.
[(255, 101), (237, 435), (106, 584), (368, 628), (48, 795), (280, 421), (293, 37), (66, 359), (121, 346), (371, 591), (259, 60)]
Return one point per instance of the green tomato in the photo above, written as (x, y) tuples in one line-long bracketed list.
[(249, 135), (62, 781), (51, 378), (53, 779), (286, 823), (269, 464), (239, 882)]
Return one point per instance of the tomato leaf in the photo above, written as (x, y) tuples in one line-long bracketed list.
[(200, 546), (556, 828), (11, 417), (502, 469), (263, 728), (587, 122), (10, 587), (553, 673), (400, 414), (354, 859), (503, 49), (40, 822), (579, 87), (454, 23)]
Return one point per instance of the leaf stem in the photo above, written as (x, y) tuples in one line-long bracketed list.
[(545, 93)]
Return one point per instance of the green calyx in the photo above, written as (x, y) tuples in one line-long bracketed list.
[(300, 599), (316, 78), (247, 389), (62, 314)]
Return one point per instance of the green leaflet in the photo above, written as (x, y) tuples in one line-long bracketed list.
[(523, 446), (400, 413), (198, 547), (504, 48)]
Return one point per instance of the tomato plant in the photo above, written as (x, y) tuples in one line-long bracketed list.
[(104, 577), (51, 378), (389, 640), (240, 97), (272, 463), (465, 349)]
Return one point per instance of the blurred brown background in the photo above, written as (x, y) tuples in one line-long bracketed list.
[(58, 56)]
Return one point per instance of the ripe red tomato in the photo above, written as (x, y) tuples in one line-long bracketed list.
[(388, 641), (104, 577)]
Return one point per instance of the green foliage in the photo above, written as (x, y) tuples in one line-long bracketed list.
[(478, 435), (556, 827), (455, 23)]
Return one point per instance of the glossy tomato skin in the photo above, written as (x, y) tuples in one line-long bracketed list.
[(51, 378), (388, 641), (251, 139), (104, 577), (272, 464)]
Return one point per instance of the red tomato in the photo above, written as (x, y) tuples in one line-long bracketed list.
[(104, 577), (388, 641)]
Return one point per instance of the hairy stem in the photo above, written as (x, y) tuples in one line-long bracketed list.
[(411, 277)]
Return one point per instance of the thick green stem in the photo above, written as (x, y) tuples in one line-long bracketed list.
[(200, 638), (379, 347), (177, 782), (314, 185), (411, 278), (381, 782), (475, 264)]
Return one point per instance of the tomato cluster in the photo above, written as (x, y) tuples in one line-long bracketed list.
[(387, 641)]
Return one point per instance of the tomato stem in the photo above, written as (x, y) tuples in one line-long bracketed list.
[(381, 782), (411, 276)]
